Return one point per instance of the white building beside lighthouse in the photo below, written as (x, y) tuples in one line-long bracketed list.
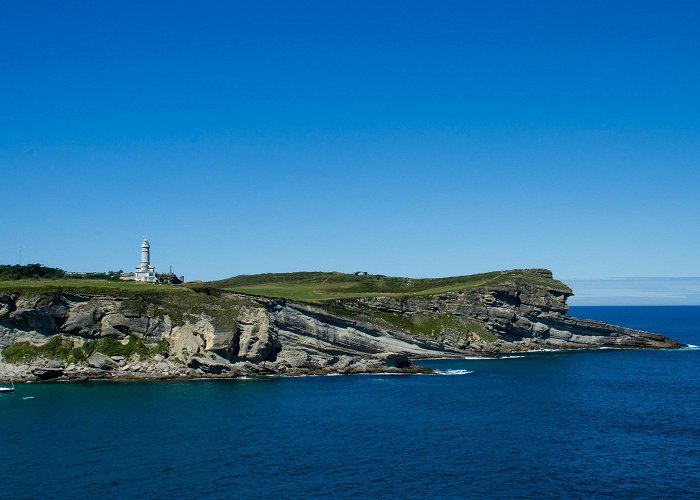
[(145, 272)]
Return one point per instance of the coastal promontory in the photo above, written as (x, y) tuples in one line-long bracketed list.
[(286, 324)]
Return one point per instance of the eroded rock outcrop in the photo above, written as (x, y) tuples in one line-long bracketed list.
[(101, 362), (520, 316)]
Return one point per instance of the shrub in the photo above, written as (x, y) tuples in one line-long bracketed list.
[(55, 348), (17, 272), (112, 347), (19, 352)]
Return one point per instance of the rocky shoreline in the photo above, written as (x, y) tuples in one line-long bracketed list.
[(58, 335), (115, 368), (51, 371)]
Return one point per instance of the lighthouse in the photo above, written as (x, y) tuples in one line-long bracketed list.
[(145, 272)]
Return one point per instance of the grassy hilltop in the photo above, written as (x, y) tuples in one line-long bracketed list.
[(38, 286), (317, 287), (310, 287)]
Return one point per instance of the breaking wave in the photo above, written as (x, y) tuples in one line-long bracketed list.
[(453, 372), (495, 358)]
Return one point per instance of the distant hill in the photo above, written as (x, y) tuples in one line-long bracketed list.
[(318, 287)]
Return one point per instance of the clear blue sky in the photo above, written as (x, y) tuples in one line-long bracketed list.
[(636, 292), (404, 138)]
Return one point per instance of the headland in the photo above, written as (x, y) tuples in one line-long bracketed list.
[(286, 324)]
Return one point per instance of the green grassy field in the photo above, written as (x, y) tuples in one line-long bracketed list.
[(86, 285), (317, 287), (311, 287)]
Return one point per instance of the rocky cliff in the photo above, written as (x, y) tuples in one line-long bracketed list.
[(513, 316), (82, 335)]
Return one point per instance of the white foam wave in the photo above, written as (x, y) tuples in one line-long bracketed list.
[(692, 346), (485, 358), (544, 350), (453, 372)]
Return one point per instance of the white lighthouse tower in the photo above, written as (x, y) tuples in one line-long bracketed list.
[(145, 272)]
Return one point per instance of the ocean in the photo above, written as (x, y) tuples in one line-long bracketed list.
[(609, 423)]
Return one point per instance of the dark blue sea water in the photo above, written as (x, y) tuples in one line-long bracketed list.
[(575, 424)]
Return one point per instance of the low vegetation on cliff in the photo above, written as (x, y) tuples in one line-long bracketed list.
[(430, 325), (317, 287), (60, 348), (54, 348)]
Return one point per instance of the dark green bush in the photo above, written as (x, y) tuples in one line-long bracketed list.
[(17, 272), (55, 348), (113, 347)]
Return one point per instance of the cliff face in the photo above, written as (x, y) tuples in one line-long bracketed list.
[(63, 335), (521, 316), (81, 335)]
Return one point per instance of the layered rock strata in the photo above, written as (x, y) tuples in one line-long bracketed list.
[(521, 316)]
